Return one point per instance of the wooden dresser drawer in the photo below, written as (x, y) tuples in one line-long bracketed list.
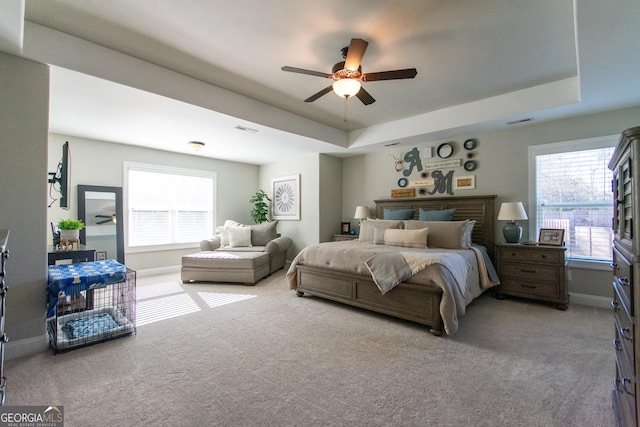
[(623, 279), (530, 288), (533, 272)]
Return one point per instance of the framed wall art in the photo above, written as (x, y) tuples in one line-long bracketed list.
[(345, 227), (551, 236), (286, 197), (464, 182)]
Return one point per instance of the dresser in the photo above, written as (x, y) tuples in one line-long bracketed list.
[(4, 254), (626, 279), (533, 271)]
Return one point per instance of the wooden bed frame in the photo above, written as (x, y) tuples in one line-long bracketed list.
[(417, 303)]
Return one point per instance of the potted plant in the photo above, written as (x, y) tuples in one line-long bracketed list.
[(260, 211), (70, 229)]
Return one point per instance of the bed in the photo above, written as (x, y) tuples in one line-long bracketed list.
[(431, 294)]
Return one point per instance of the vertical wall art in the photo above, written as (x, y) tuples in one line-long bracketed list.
[(286, 197)]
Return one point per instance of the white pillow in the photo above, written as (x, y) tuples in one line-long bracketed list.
[(446, 234), (368, 225), (223, 231), (406, 238), (239, 236)]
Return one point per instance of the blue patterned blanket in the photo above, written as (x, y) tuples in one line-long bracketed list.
[(71, 279)]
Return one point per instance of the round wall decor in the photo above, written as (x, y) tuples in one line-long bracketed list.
[(470, 165), (445, 150), (470, 144), (402, 182)]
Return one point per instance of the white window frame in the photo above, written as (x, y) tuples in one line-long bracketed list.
[(561, 147), (162, 169)]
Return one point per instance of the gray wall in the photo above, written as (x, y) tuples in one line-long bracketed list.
[(502, 170), (101, 163), (24, 120)]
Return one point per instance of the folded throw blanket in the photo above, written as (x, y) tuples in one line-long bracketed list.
[(389, 269)]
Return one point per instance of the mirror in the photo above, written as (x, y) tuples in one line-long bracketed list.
[(100, 208)]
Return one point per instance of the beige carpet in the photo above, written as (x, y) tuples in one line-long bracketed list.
[(278, 360)]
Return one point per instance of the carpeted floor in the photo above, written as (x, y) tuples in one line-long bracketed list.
[(230, 355)]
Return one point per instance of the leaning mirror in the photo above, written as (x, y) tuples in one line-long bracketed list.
[(100, 208)]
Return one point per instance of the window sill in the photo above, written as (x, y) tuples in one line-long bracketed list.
[(590, 265), (158, 248)]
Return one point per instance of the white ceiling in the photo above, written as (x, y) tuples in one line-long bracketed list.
[(480, 65)]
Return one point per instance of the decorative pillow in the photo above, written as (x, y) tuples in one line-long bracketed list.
[(368, 225), (261, 234), (400, 214), (223, 232), (443, 215), (446, 234), (378, 235), (406, 238), (239, 236)]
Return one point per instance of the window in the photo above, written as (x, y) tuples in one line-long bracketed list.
[(570, 188), (167, 206)]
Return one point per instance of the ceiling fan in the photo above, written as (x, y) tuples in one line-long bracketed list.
[(112, 218), (347, 75)]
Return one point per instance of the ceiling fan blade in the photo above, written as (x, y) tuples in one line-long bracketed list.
[(364, 96), (104, 216), (303, 71), (357, 47), (104, 221), (324, 91), (408, 73)]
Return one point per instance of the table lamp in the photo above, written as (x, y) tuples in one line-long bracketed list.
[(362, 212), (511, 212)]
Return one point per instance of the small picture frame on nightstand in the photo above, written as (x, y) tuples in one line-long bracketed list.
[(345, 227), (551, 236)]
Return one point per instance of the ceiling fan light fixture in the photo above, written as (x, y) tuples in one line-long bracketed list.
[(346, 88)]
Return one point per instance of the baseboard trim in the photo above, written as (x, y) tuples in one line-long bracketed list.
[(158, 271), (26, 347), (590, 300)]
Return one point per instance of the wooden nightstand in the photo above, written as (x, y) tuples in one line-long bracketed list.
[(530, 271), (339, 237)]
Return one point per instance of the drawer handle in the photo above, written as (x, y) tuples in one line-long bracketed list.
[(625, 382), (528, 286), (613, 266), (527, 271), (623, 281), (623, 333), (615, 305), (616, 345), (616, 385)]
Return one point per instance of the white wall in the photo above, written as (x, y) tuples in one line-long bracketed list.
[(100, 163), (502, 170)]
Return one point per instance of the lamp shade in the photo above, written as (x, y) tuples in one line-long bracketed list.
[(346, 87), (362, 212), (511, 212)]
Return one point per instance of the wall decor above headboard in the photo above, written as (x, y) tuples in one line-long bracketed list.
[(478, 208)]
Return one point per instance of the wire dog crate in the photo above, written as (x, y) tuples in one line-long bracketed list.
[(90, 302)]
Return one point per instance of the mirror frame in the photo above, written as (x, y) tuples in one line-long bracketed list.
[(82, 189)]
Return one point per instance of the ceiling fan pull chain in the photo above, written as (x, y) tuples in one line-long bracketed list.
[(346, 125)]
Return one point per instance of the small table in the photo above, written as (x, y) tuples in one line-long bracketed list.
[(344, 236), (81, 254)]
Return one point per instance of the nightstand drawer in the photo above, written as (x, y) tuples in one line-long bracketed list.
[(533, 255), (532, 289), (533, 272)]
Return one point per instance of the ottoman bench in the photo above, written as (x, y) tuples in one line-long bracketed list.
[(219, 266)]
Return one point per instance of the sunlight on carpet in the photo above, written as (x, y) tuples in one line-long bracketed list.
[(153, 310), (168, 300), (214, 299), (151, 291)]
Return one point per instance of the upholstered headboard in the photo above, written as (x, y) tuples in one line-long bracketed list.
[(478, 208)]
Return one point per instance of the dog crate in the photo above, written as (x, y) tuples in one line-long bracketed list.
[(89, 302)]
